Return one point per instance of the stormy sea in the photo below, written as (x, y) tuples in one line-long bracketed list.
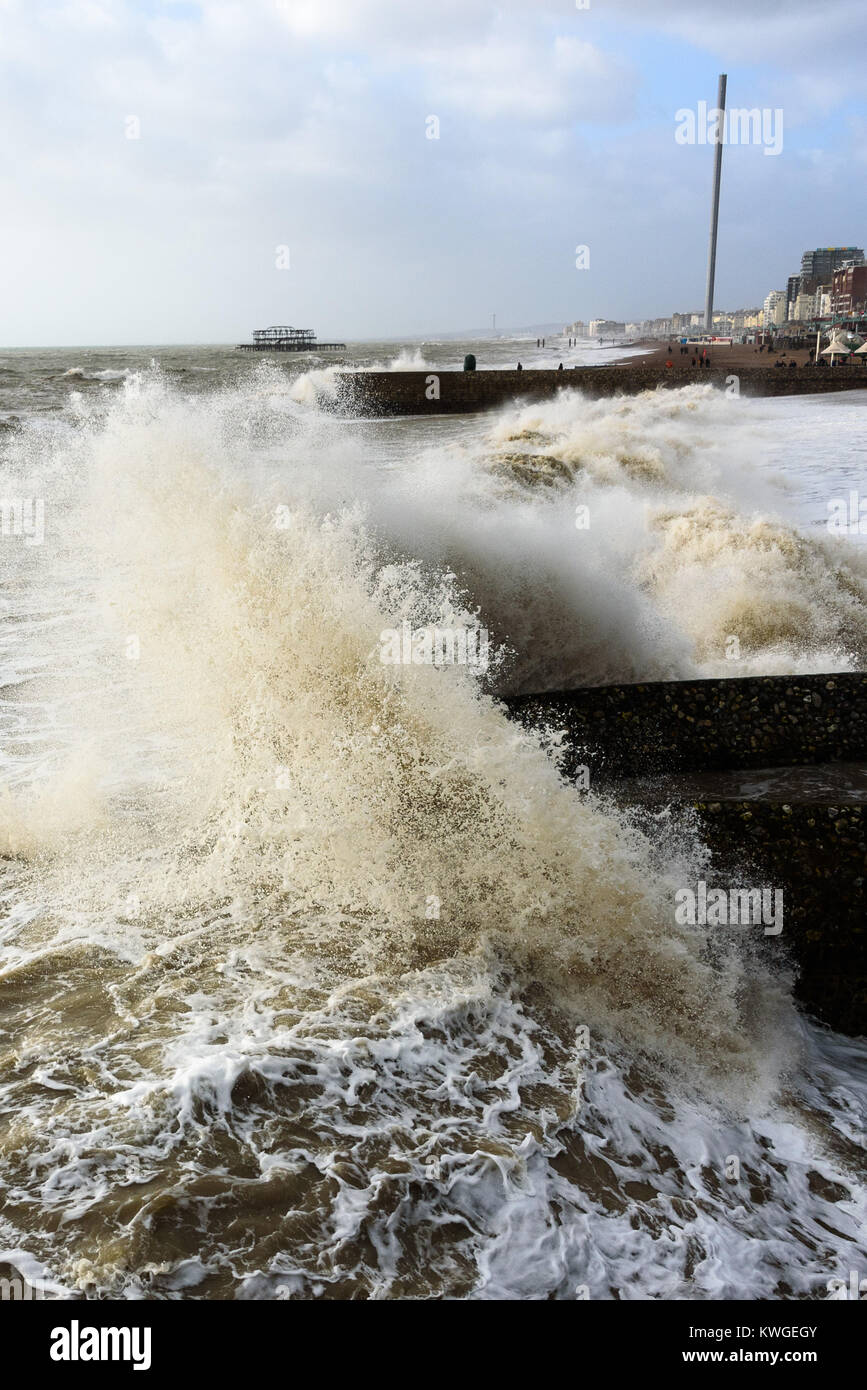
[(317, 979)]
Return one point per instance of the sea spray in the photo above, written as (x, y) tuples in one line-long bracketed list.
[(682, 545), (260, 646)]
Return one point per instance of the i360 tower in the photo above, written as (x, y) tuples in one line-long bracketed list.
[(714, 214)]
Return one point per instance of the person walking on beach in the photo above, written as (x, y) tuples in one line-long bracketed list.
[(519, 368)]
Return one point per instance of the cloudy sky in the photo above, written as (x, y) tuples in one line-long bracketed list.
[(156, 156)]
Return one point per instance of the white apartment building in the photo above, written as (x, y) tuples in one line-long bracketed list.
[(607, 328), (774, 310)]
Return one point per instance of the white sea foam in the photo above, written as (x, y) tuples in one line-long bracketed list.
[(104, 374)]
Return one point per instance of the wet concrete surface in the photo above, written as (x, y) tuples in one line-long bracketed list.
[(825, 784)]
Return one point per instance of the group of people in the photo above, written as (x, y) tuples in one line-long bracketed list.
[(810, 361), (852, 360), (699, 359)]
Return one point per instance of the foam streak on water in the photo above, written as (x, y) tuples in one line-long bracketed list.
[(241, 1054)]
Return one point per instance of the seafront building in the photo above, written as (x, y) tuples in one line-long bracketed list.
[(793, 289), (821, 263), (774, 309), (803, 308), (848, 297)]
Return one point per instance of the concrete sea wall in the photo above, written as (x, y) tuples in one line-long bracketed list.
[(671, 726), (443, 393), (812, 845), (817, 854)]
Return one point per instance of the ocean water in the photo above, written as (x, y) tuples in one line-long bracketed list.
[(316, 980)]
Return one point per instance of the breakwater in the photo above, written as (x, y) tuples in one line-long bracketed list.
[(675, 726), (803, 832), (816, 853), (453, 392)]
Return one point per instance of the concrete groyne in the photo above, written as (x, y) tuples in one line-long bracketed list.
[(817, 854), (805, 833), (666, 727), (432, 392)]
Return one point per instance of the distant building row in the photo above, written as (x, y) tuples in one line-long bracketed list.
[(598, 328), (831, 285), (725, 324)]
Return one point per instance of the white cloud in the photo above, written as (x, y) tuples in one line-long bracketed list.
[(304, 123), (556, 80), (817, 48)]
